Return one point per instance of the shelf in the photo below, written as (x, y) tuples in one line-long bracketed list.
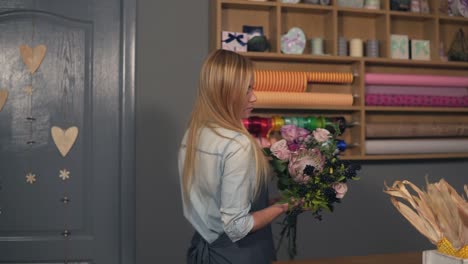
[(452, 19), (348, 60), (246, 4), (362, 12), (415, 63), (301, 57), (319, 9), (327, 108), (330, 23), (412, 16)]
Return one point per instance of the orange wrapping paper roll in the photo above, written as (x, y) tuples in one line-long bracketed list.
[(329, 77), (303, 99), (280, 81)]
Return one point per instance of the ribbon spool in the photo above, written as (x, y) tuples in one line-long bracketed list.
[(258, 125), (355, 47), (264, 126)]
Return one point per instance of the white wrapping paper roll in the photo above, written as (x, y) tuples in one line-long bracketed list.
[(416, 146)]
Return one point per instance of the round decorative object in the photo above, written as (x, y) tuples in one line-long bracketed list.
[(462, 6), (293, 42), (325, 2), (290, 1), (258, 43)]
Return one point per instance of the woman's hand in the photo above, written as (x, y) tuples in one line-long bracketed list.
[(283, 206)]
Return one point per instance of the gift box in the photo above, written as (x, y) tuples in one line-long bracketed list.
[(234, 41), (435, 257), (399, 46), (420, 49)]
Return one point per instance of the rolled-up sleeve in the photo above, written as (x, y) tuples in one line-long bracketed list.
[(236, 189)]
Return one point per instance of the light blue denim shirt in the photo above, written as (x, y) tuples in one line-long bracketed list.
[(223, 184)]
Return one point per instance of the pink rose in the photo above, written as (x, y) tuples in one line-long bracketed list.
[(299, 161), (340, 189), (280, 150), (321, 135), (263, 142)]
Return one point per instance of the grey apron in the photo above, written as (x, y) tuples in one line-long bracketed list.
[(255, 248)]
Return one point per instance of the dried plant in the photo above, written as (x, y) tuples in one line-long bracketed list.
[(437, 213)]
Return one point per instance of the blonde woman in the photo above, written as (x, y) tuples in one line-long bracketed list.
[(223, 171)]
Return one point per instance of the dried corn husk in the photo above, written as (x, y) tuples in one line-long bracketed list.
[(439, 213)]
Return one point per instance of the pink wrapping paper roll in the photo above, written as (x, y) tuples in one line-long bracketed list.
[(415, 80), (415, 100), (415, 146), (303, 99), (417, 90)]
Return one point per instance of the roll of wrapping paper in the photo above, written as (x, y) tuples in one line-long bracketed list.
[(284, 81), (402, 130), (415, 146), (415, 80), (416, 90), (416, 100), (330, 77), (280, 81), (276, 99)]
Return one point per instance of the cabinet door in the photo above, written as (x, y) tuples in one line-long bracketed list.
[(71, 208)]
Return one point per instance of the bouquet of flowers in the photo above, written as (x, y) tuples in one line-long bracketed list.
[(310, 175)]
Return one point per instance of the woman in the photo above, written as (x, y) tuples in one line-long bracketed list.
[(223, 170)]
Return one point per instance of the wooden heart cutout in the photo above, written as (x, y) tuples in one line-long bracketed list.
[(3, 98), (33, 57), (64, 138)]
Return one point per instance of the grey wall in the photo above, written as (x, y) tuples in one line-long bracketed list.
[(172, 40)]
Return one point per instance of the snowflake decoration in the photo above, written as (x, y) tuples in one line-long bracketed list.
[(30, 178), (64, 174)]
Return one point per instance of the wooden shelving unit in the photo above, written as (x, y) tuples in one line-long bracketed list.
[(330, 22)]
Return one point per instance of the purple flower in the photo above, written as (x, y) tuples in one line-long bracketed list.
[(292, 133), (293, 147)]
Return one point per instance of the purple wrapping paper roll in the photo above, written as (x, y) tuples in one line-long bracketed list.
[(415, 100), (416, 90), (415, 80)]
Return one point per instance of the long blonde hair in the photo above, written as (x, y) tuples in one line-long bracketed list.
[(224, 81)]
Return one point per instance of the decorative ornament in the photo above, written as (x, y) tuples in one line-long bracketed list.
[(33, 57), (30, 178), (3, 98), (64, 174), (293, 42), (64, 138), (28, 90)]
